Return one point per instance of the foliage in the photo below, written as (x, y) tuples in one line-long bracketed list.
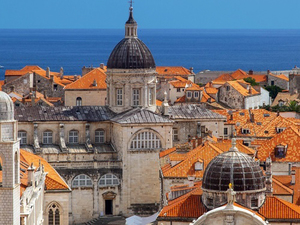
[(251, 81), (273, 90), (291, 107)]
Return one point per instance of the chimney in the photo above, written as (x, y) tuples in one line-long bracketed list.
[(51, 77), (165, 106), (268, 71), (194, 142), (48, 72), (75, 77), (95, 83), (269, 188), (191, 181), (252, 118), (278, 113), (192, 69), (231, 117), (293, 181), (199, 140), (102, 66), (30, 177), (250, 72), (61, 73)]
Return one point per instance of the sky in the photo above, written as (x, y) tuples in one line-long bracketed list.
[(150, 14)]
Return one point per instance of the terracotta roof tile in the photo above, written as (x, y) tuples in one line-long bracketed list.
[(87, 81), (172, 70), (280, 189), (22, 71), (237, 85)]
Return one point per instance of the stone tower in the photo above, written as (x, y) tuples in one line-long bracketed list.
[(10, 162), (131, 72)]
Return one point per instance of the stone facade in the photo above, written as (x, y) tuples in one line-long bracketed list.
[(88, 97), (294, 81), (274, 80)]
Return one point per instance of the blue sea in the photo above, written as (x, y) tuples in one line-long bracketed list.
[(202, 49)]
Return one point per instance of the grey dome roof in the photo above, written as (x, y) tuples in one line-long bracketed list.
[(6, 107), (131, 53), (236, 168)]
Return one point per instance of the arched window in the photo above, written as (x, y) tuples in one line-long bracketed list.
[(73, 137), (109, 180), (54, 214), (145, 140), (78, 101), (23, 137), (99, 136), (82, 180), (47, 137)]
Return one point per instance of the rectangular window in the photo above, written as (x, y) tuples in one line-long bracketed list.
[(23, 137), (178, 89), (225, 131), (175, 134), (136, 97), (55, 87), (189, 94), (119, 96), (196, 94), (99, 136), (73, 137), (47, 137)]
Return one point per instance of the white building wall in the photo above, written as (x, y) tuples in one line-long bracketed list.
[(252, 102), (264, 97)]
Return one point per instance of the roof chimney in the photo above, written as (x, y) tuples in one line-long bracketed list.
[(192, 69), (250, 72), (102, 66), (30, 177), (48, 72), (61, 73), (268, 71), (293, 181)]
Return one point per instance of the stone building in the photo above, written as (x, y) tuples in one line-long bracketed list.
[(90, 89), (294, 83), (280, 80)]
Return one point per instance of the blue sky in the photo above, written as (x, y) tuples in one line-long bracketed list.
[(170, 14)]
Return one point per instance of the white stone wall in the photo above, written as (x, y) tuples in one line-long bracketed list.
[(173, 95), (252, 102), (89, 97), (264, 97), (62, 199)]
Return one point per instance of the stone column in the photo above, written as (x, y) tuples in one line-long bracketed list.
[(146, 96), (96, 198)]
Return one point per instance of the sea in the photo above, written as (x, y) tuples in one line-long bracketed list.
[(222, 50)]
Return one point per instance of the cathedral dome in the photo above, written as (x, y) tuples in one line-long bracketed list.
[(236, 168), (6, 107), (131, 53)]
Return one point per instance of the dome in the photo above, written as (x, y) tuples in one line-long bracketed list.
[(6, 107), (131, 53), (236, 168)]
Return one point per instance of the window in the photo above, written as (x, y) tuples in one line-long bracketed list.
[(99, 136), (47, 137), (73, 137), (196, 94), (119, 92), (78, 101), (53, 215), (23, 137), (108, 180), (227, 88), (254, 202), (55, 87), (136, 97), (245, 131), (175, 134), (189, 94), (280, 103), (178, 89), (226, 131), (266, 115), (82, 180), (280, 129), (272, 83), (280, 151), (145, 140), (198, 166)]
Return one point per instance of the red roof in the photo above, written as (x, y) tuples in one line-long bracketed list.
[(173, 71)]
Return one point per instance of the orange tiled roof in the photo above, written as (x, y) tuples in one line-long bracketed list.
[(1, 84), (53, 179), (291, 137), (172, 70), (280, 189), (239, 74), (237, 85), (87, 81), (259, 78), (203, 153), (166, 152), (280, 76), (158, 102), (186, 206), (276, 208), (22, 71)]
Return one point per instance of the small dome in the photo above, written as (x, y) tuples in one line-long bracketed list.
[(236, 168), (131, 53), (6, 107)]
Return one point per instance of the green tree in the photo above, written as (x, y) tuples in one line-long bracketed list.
[(273, 90), (293, 106), (251, 81)]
